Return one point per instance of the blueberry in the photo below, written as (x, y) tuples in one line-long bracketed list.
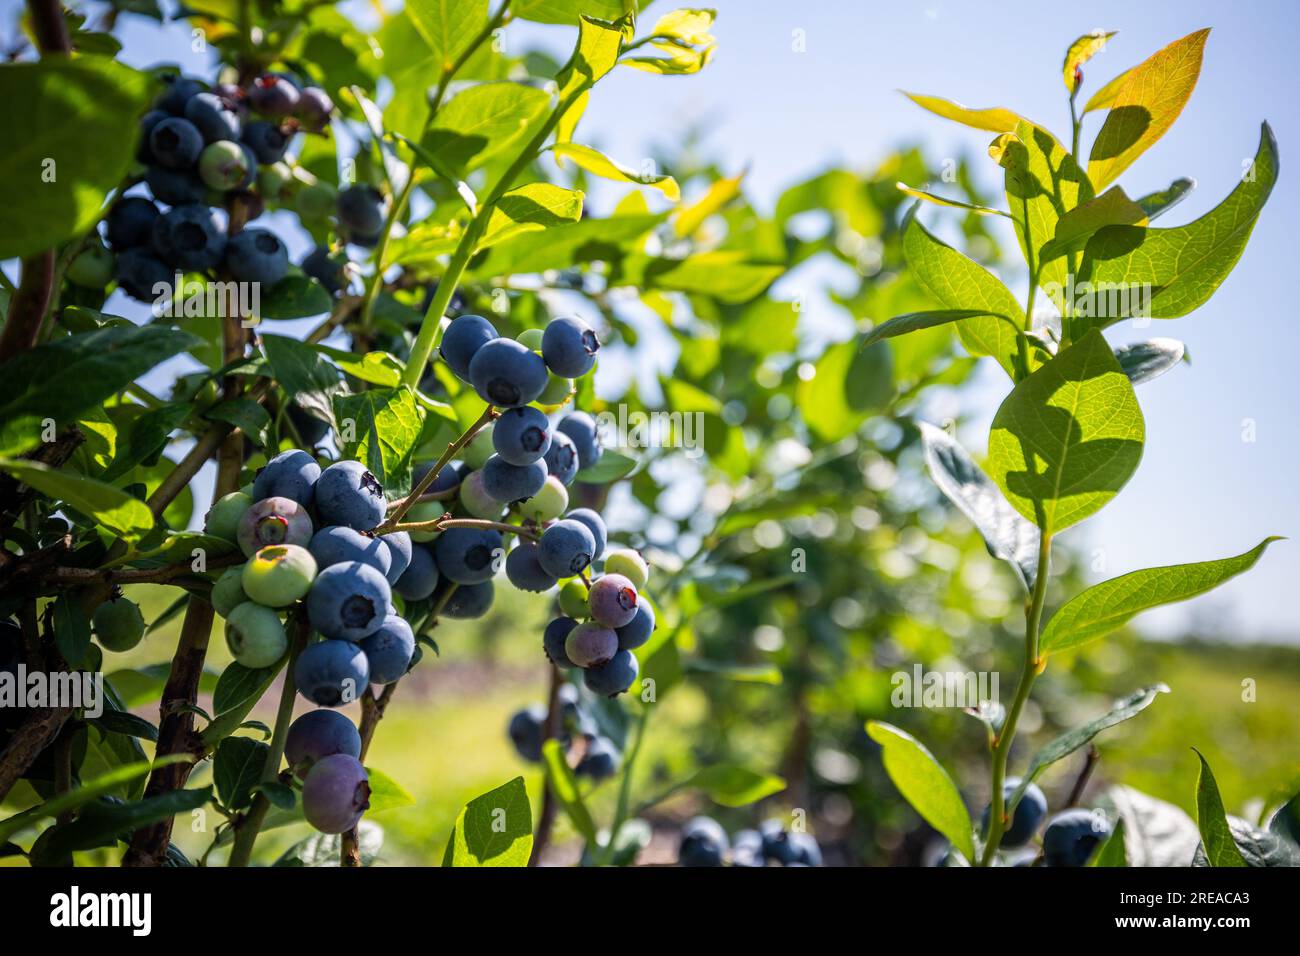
[(524, 570), (747, 849), (268, 141), (612, 600), (475, 499), (273, 95), (279, 574), (389, 650), (362, 211), (224, 166), (548, 504), (449, 478), (118, 624), (521, 435), (612, 678), (257, 255), (222, 520), (335, 793), (531, 338), (212, 117), (558, 390), (553, 638), (420, 577), (630, 564), (601, 760), (469, 601), (273, 180), (331, 673), (175, 143), (176, 187), (398, 544), (1072, 836), (179, 91), (809, 852), (336, 544), (349, 601), (507, 374), (147, 122), (228, 593), (315, 107), (638, 630), (318, 734), (255, 635), (130, 223), (573, 599), (141, 274), (315, 201), (526, 728), (590, 645), (92, 268), (273, 521), (506, 482), (468, 555), (1030, 812), (704, 843), (320, 266), (595, 524), (562, 458), (420, 513), (569, 347), (290, 474), (777, 845), (581, 427), (348, 494), (461, 341), (189, 238), (566, 548)]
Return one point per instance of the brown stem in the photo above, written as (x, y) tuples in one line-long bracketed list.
[(28, 306), (180, 477), (1081, 782), (405, 504), (546, 822), (14, 495), (161, 575), (47, 23)]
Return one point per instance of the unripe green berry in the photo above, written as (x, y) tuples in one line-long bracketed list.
[(273, 180), (557, 391), (532, 338), (255, 635), (477, 502), (549, 503), (315, 202), (228, 592), (628, 563), (118, 624), (480, 449), (223, 517), (424, 511), (279, 574), (573, 600), (92, 268), (224, 165)]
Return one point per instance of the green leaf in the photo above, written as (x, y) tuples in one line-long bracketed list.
[(599, 44), (1080, 52), (945, 201), (103, 824), (1258, 848), (1144, 106), (1156, 834), (447, 26), (612, 466), (238, 689), (125, 722), (916, 321), (147, 437), (71, 628), (1160, 202), (1108, 606), (567, 11), (961, 283), (733, 786), (561, 247), (1216, 836), (924, 784), (281, 795), (1106, 95), (236, 769), (246, 415), (1178, 269), (994, 119), (1143, 361), (495, 829), (598, 164), (530, 208), (1068, 437), (1007, 535), (386, 793), (299, 367), (1112, 852), (726, 276), (63, 380), (849, 383), (1078, 225), (381, 427), (480, 123), (127, 517), (377, 368), (564, 786), (295, 297), (54, 185)]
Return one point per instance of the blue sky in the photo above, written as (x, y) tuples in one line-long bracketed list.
[(1201, 492)]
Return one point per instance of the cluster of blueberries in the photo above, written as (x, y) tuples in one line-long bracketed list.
[(704, 842), (600, 757), (1070, 838)]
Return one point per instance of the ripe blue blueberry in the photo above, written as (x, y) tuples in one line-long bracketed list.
[(320, 266), (612, 600), (507, 374), (335, 793), (601, 760), (521, 435), (315, 107), (525, 728), (704, 843), (614, 677), (175, 143), (581, 427), (176, 187), (638, 630), (553, 638), (178, 93), (569, 347), (224, 166), (566, 548), (273, 95), (362, 211), (525, 571), (420, 577), (562, 458), (213, 119), (291, 474), (747, 849), (150, 119), (1072, 836), (268, 141), (399, 548), (139, 273), (462, 339), (255, 635), (273, 521), (130, 223), (468, 555), (336, 544), (389, 650), (506, 482), (318, 734), (349, 601), (595, 524), (348, 494), (808, 850), (257, 255), (189, 238), (469, 601), (777, 845), (590, 644), (1030, 812), (331, 673)]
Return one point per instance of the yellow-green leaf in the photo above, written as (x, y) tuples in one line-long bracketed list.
[(924, 784), (720, 193), (1081, 51), (945, 201), (994, 119), (598, 164), (1078, 225), (530, 208)]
